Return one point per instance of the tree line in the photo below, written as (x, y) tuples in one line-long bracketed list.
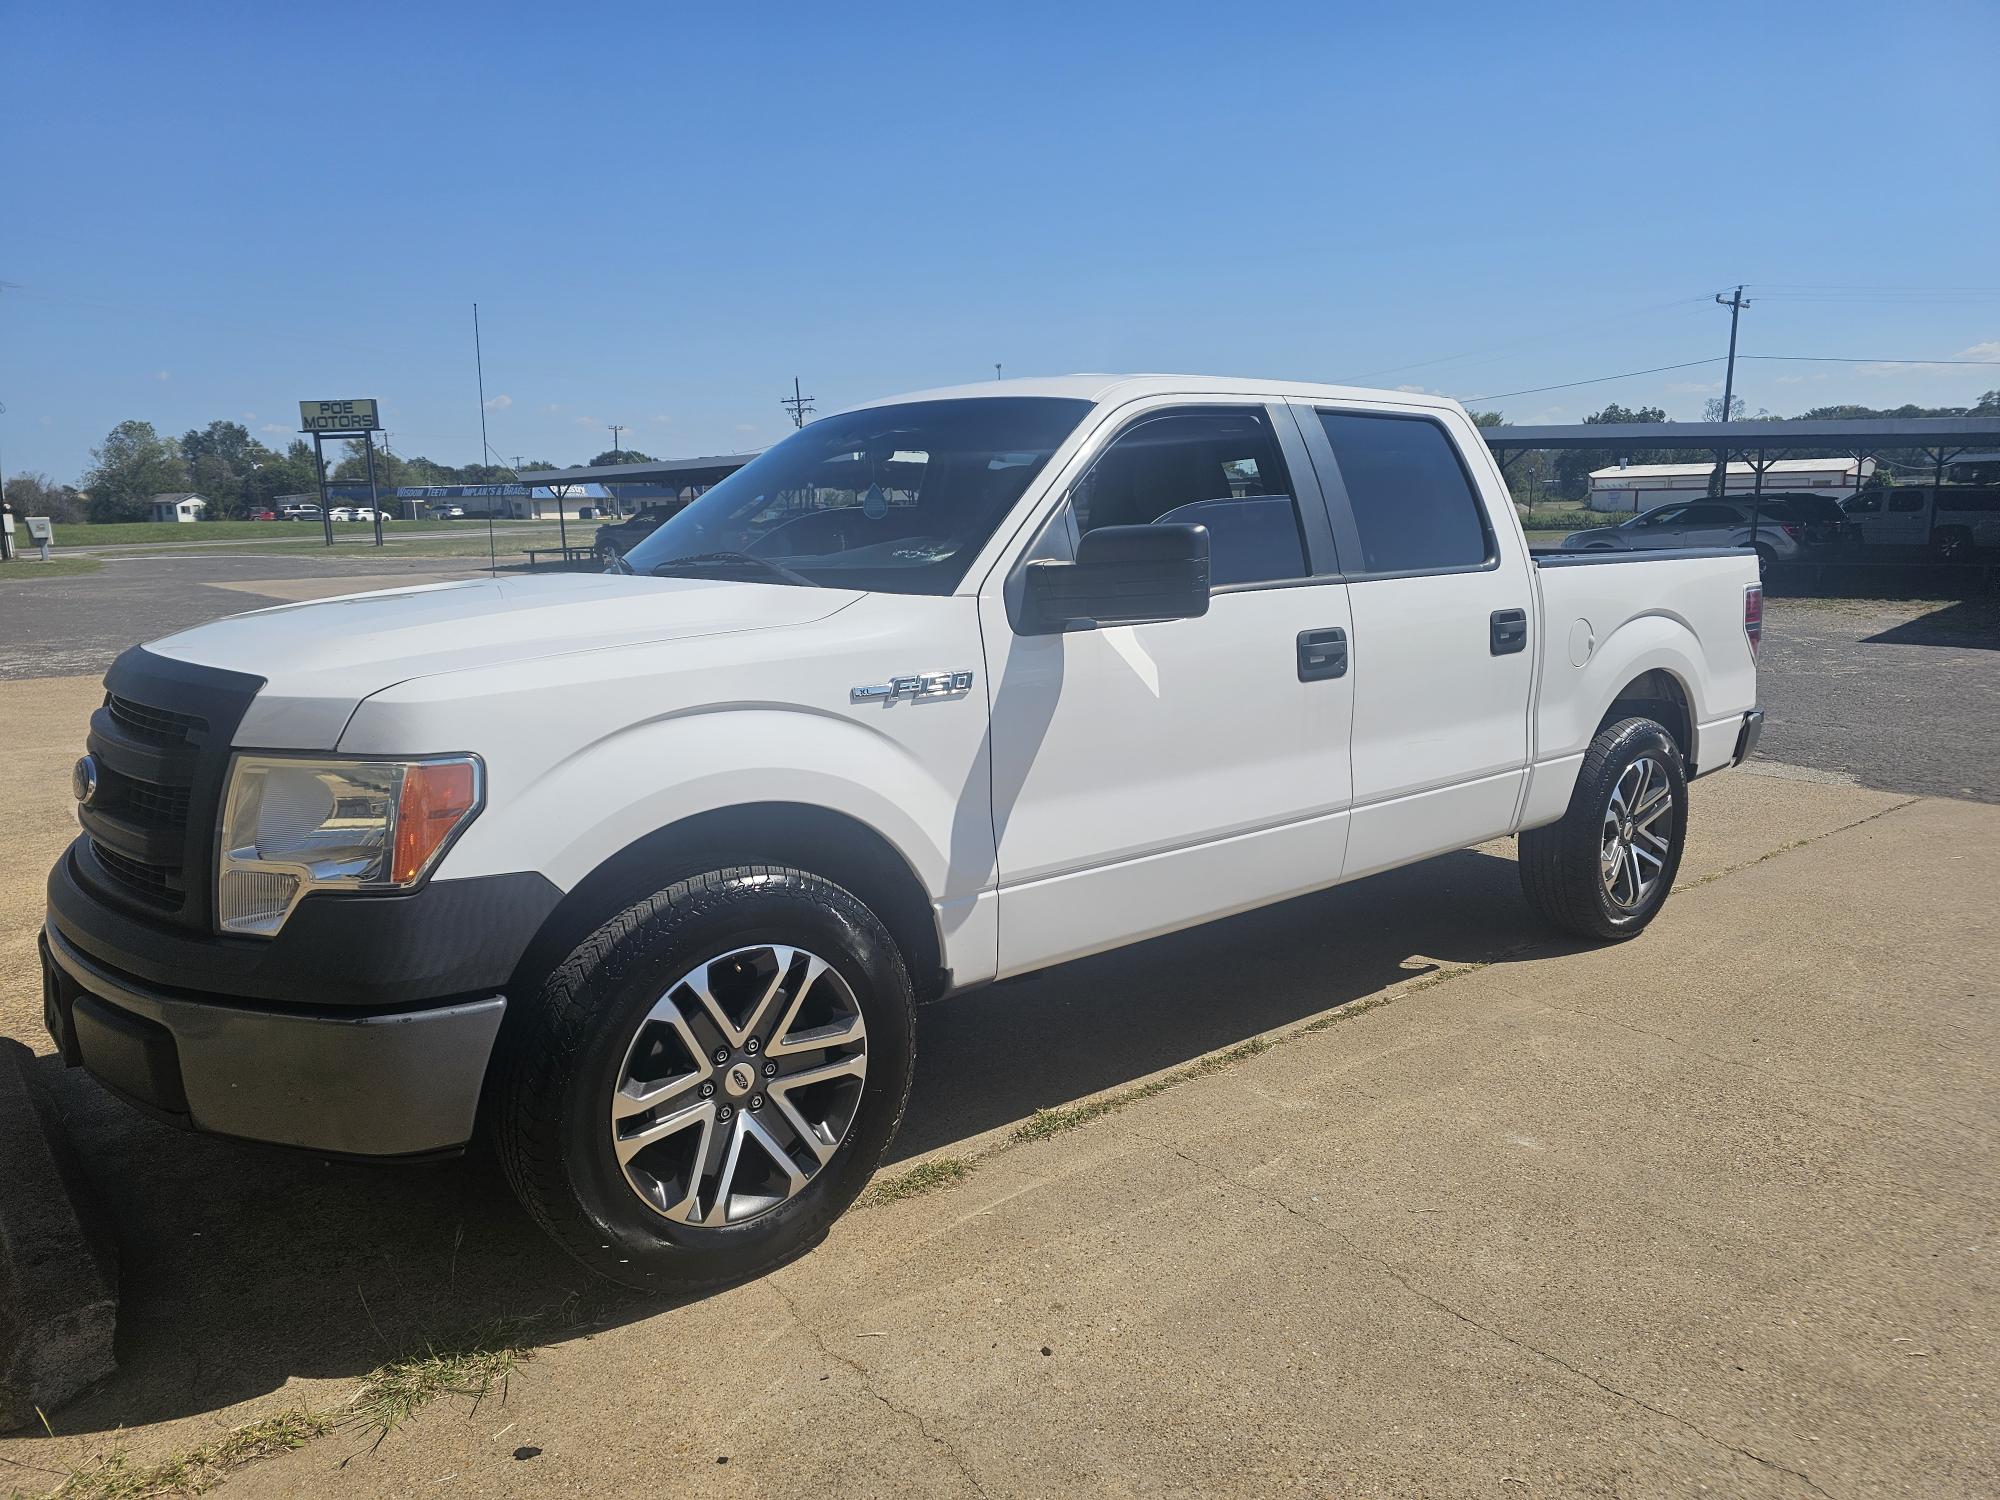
[(236, 474), (239, 476)]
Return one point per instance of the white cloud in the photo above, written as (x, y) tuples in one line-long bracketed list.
[(274, 427), (163, 375), (500, 402), (588, 422), (1990, 349), (248, 416), (1694, 387), (746, 426), (552, 406), (660, 421)]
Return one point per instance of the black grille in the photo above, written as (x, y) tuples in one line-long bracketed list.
[(161, 743), (150, 804), (159, 884), (157, 726)]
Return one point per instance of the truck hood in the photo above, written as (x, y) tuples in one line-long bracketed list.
[(320, 659)]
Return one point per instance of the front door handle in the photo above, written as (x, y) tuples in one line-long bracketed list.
[(1509, 631), (1322, 654)]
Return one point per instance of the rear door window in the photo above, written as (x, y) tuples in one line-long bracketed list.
[(1413, 502)]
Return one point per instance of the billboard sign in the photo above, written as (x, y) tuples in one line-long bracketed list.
[(354, 415)]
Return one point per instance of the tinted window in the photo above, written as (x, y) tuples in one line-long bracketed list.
[(1666, 515), (1714, 515), (1864, 505), (1412, 500), (1218, 468), (1904, 500), (897, 498)]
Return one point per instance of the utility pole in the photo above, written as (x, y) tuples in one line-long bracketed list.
[(996, 369), (1735, 303), (798, 404), (616, 428)]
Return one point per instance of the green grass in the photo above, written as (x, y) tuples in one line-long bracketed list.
[(924, 1177), (199, 533), (389, 1396), (1561, 518), (55, 567)]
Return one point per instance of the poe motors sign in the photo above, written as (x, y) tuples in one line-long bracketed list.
[(343, 418)]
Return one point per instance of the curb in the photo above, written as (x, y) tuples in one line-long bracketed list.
[(58, 1270)]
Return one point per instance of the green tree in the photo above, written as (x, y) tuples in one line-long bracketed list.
[(221, 457), (133, 464), (287, 473), (621, 456), (38, 495), (1573, 466)]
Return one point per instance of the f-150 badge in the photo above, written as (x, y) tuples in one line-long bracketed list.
[(924, 685)]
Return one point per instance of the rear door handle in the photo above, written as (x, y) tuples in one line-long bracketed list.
[(1322, 654), (1509, 631)]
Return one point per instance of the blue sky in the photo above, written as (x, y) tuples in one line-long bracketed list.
[(665, 212)]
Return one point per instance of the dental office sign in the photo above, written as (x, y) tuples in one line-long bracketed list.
[(343, 417)]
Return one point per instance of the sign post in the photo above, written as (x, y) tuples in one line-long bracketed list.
[(354, 417)]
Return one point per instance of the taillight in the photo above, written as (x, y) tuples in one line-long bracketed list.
[(1794, 532), (1753, 615)]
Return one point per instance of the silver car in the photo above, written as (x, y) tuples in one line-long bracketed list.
[(1694, 523)]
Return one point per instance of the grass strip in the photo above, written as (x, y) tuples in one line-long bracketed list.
[(388, 1397)]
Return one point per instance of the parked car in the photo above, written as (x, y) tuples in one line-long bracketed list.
[(301, 513), (263, 515), (616, 538), (341, 513), (644, 872), (1951, 522), (1781, 534), (448, 513)]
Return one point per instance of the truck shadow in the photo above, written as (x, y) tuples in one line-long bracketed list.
[(244, 1267)]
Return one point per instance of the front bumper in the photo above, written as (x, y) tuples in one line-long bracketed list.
[(397, 1084)]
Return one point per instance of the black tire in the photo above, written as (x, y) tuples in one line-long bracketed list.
[(1765, 560), (563, 1055), (1562, 864)]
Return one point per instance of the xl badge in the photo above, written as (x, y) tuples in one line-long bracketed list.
[(925, 685), (83, 780)]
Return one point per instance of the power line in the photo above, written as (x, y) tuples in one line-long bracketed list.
[(1852, 359), (1594, 380)]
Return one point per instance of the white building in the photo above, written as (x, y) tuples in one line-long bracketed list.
[(1643, 486), (179, 505)]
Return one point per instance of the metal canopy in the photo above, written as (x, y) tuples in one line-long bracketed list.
[(672, 471), (1711, 437)]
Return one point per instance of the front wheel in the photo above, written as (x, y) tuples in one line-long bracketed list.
[(1605, 870), (708, 1079)]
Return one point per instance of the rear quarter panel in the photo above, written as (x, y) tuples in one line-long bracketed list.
[(1606, 624)]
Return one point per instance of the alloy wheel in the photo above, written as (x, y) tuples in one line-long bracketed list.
[(739, 1085), (1634, 847)]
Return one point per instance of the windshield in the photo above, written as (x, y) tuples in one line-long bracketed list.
[(895, 498)]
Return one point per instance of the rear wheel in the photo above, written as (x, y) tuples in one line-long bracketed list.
[(709, 1079), (1952, 544), (1605, 870), (1765, 558)]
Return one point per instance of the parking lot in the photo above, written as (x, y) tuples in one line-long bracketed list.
[(1377, 1191)]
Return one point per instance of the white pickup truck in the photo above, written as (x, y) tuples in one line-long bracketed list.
[(641, 874)]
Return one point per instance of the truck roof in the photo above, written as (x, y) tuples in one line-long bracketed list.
[(1119, 388)]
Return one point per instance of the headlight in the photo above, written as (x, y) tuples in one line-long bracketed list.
[(293, 826)]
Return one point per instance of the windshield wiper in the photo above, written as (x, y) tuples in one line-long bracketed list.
[(701, 562)]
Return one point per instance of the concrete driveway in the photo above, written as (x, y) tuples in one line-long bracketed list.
[(1706, 1212)]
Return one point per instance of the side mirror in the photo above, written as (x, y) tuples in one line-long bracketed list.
[(1122, 575)]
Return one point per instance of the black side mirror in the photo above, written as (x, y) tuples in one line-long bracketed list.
[(1122, 575)]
